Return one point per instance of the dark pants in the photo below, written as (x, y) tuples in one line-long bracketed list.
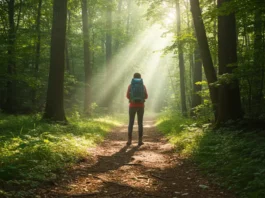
[(140, 115)]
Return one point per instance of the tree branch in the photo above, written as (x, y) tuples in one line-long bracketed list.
[(19, 15)]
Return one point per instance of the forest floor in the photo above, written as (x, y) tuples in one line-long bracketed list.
[(151, 170)]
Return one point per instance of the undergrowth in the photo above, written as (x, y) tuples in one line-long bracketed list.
[(231, 157), (33, 152)]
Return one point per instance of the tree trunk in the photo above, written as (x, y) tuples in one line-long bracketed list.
[(93, 51), (246, 46), (67, 43), (258, 65), (37, 56), (119, 19), (215, 38), (109, 95), (229, 94), (120, 81), (197, 77), (37, 59), (87, 55), (205, 52), (181, 63), (128, 17), (109, 36), (10, 105), (191, 57), (54, 109), (67, 57)]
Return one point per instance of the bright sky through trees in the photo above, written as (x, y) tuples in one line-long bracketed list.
[(170, 18)]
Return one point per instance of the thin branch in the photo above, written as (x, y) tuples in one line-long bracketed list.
[(158, 177), (19, 15), (127, 195)]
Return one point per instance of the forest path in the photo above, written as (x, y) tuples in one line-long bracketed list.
[(151, 170)]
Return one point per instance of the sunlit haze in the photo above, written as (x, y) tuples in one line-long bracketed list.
[(144, 54)]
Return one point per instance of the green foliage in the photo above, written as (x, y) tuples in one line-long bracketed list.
[(230, 157), (179, 131), (236, 159), (171, 122), (204, 111), (32, 151), (224, 79)]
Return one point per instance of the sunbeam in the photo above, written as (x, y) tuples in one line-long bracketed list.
[(144, 55)]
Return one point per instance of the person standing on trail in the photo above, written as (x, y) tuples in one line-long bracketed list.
[(137, 94)]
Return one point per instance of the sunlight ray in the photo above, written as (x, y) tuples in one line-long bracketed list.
[(142, 55)]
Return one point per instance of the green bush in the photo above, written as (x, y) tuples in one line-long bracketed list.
[(33, 151), (232, 158)]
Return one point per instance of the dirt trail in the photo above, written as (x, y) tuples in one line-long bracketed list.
[(151, 170)]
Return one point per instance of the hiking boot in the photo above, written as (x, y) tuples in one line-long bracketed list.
[(140, 141), (129, 142)]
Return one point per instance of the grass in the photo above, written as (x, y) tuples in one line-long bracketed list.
[(33, 152), (231, 157)]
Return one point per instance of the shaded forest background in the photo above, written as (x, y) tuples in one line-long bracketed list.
[(105, 42)]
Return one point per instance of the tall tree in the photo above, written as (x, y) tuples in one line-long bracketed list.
[(109, 49), (54, 109), (205, 52), (67, 42), (128, 21), (215, 36), (10, 105), (118, 26), (196, 99), (229, 94), (191, 53), (87, 57), (38, 45), (258, 63), (116, 49), (181, 62)]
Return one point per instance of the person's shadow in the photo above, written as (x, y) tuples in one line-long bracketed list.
[(113, 162)]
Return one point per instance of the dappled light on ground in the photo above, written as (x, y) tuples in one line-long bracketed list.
[(116, 170)]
